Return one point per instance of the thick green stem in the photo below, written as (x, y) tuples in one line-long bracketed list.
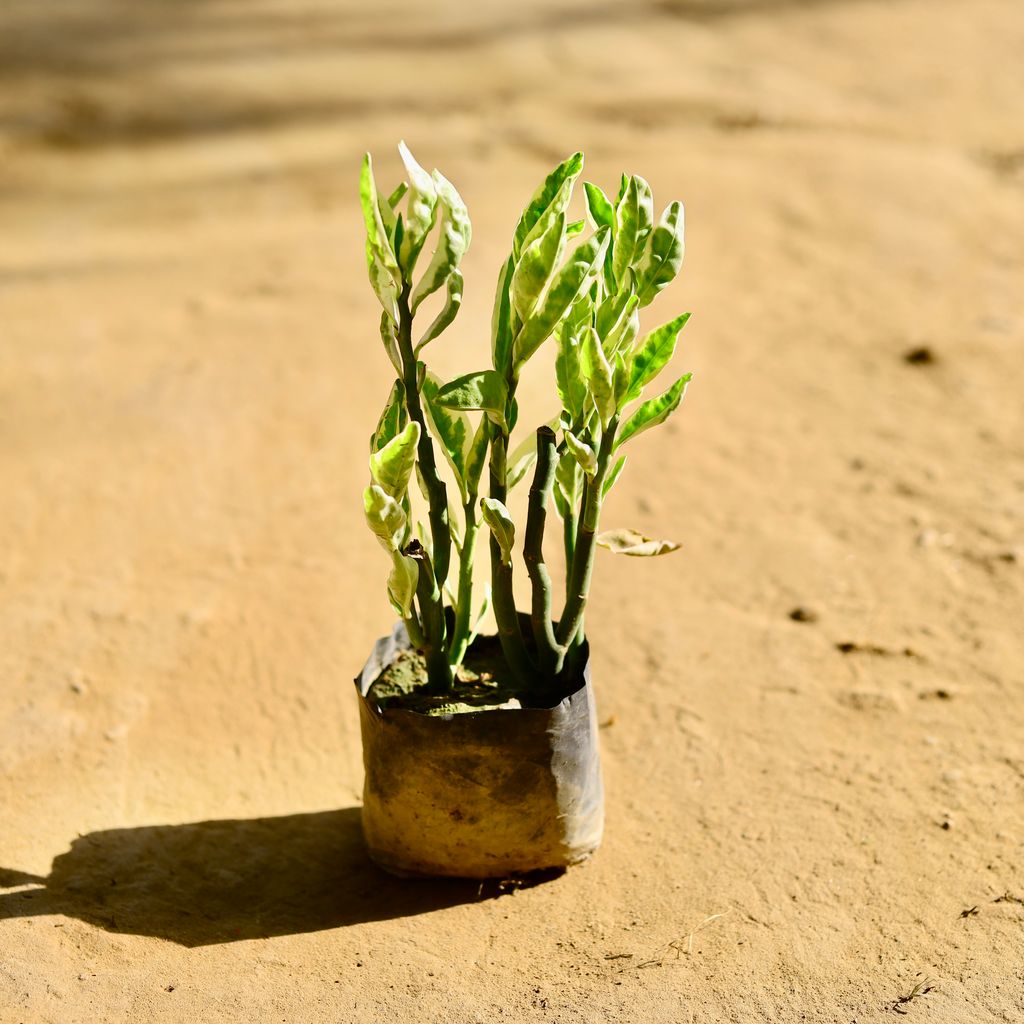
[(502, 592), (569, 543), (416, 637), (548, 653), (464, 596), (583, 558), (439, 672), (437, 493)]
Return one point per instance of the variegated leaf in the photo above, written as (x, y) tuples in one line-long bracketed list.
[(501, 320), (654, 353), (629, 542), (572, 388), (451, 427), (613, 476), (582, 452), (392, 419), (655, 411), (405, 573), (570, 280), (598, 373), (444, 319), (552, 190), (380, 260), (662, 256), (390, 339), (497, 517), (420, 211), (520, 459), (476, 456), (453, 240), (484, 390), (536, 265), (385, 516), (634, 216), (392, 466)]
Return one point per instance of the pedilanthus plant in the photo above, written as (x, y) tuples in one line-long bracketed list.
[(588, 299)]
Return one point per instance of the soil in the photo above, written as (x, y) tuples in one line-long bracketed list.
[(482, 683), (190, 367)]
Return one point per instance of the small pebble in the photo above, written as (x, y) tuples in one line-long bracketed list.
[(919, 356), (801, 614)]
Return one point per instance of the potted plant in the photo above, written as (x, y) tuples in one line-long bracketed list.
[(481, 751)]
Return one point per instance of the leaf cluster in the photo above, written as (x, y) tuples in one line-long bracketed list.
[(579, 283)]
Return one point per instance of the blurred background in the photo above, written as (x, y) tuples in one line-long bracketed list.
[(813, 711)]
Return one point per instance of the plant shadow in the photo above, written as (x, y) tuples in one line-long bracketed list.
[(213, 882)]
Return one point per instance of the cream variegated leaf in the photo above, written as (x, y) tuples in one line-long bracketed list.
[(392, 465), (629, 542)]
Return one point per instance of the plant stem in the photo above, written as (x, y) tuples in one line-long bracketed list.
[(533, 552), (502, 593), (412, 627), (437, 493), (583, 558), (439, 672), (569, 543), (464, 599)]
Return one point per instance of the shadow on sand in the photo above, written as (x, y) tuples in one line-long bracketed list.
[(226, 881)]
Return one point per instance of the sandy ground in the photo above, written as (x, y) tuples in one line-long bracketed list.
[(798, 829)]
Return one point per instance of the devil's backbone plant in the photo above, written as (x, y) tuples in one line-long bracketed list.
[(573, 290)]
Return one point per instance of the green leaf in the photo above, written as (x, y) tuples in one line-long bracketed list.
[(574, 228), (572, 389), (444, 319), (501, 320), (618, 320), (567, 284), (613, 476), (405, 573), (581, 452), (558, 205), (625, 329), (620, 380), (654, 353), (420, 213), (483, 390), (476, 456), (390, 339), (382, 282), (520, 460), (581, 312), (552, 191), (634, 216), (655, 411), (568, 476), (380, 260), (385, 517), (390, 222), (376, 234), (598, 374), (497, 517), (396, 197), (599, 209), (629, 542), (392, 419), (536, 265), (452, 243), (451, 427), (611, 311), (662, 256), (392, 466)]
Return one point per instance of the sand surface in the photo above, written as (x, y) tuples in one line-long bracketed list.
[(806, 820)]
